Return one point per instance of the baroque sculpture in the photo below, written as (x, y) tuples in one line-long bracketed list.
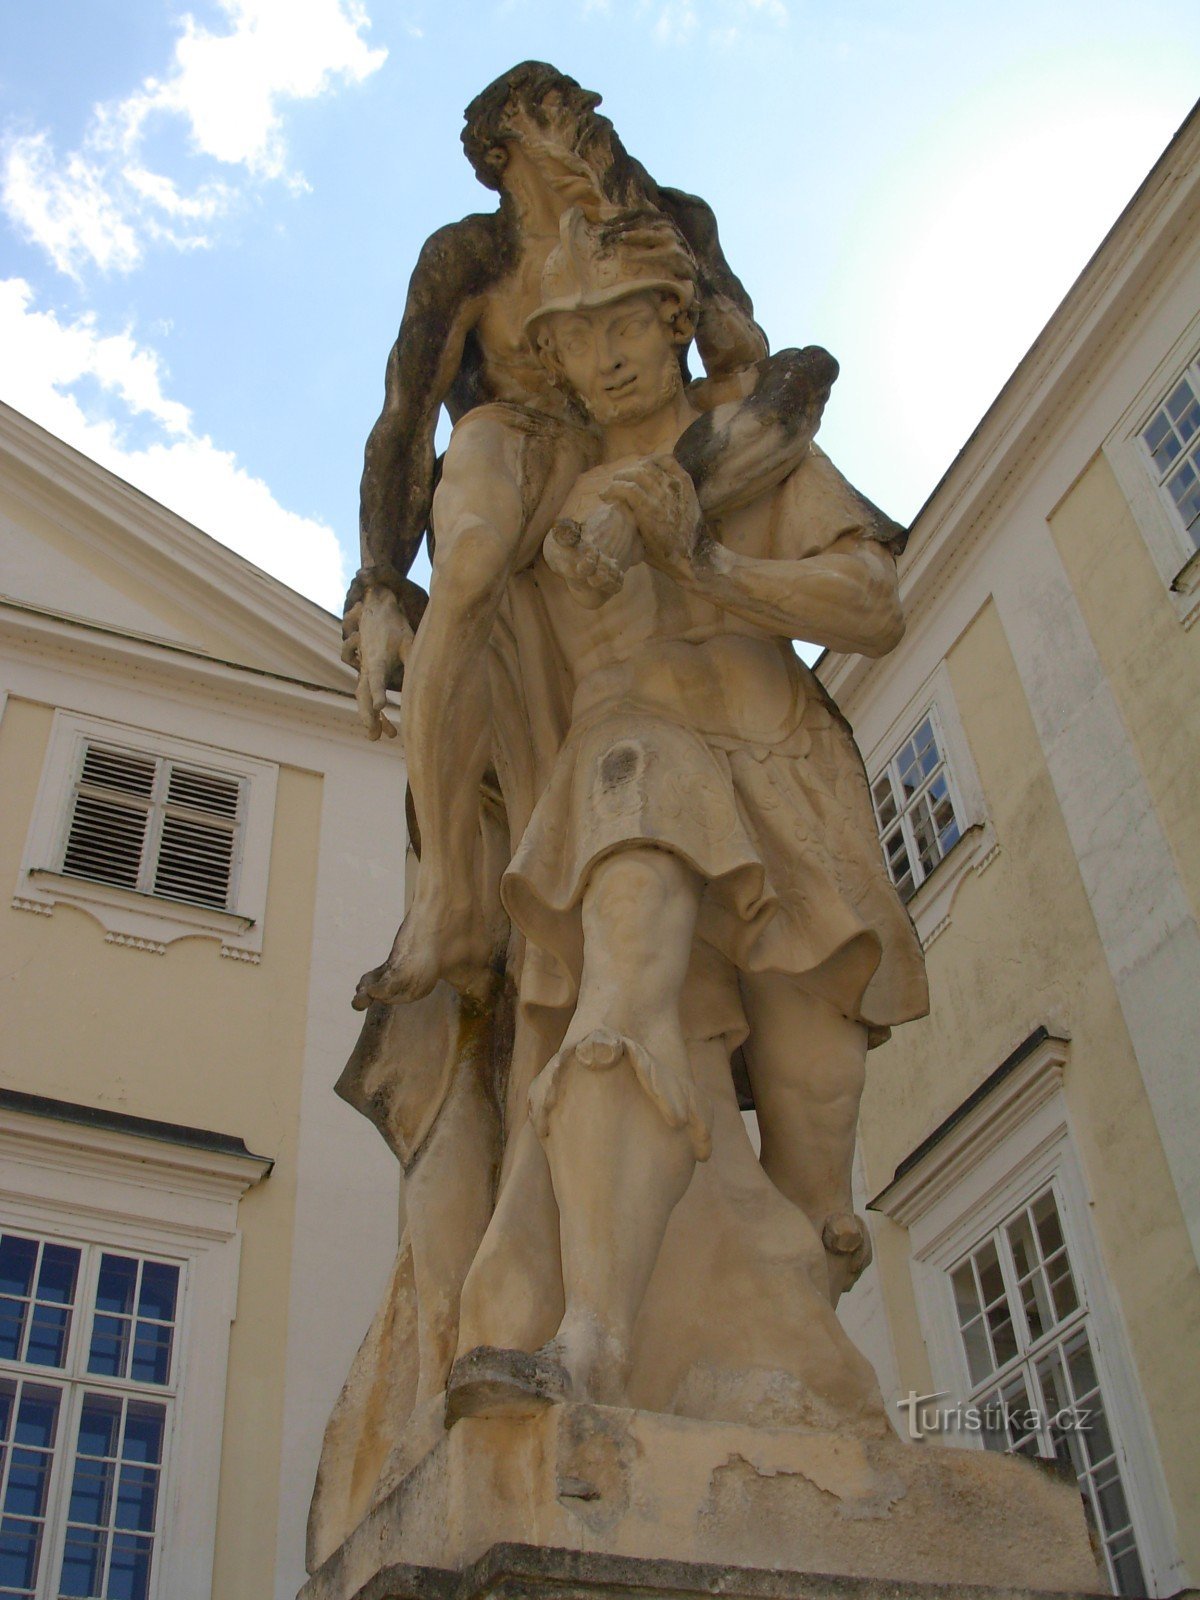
[(648, 868)]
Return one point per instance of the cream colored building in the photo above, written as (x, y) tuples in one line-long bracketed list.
[(199, 853), (1031, 1151)]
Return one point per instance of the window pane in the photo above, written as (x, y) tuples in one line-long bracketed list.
[(979, 1354), (991, 1279), (20, 1547), (110, 1347), (114, 1291), (144, 1432), (1062, 1286), (1080, 1367), (48, 1330), (966, 1301), (1129, 1575), (1045, 1215), (100, 1425), (160, 1284), (129, 1571), (91, 1492), (17, 1260), (151, 1361), (83, 1563), (137, 1498)]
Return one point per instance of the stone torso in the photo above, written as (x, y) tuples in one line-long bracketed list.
[(659, 646)]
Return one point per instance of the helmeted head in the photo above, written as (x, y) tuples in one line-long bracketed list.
[(617, 310), (536, 102)]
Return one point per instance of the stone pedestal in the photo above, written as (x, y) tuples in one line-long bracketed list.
[(613, 1499)]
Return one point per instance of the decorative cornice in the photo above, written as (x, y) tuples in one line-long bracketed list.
[(99, 1139), (1025, 1080), (197, 572), (99, 650)]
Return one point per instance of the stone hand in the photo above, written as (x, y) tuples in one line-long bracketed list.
[(593, 557), (376, 641), (662, 500)]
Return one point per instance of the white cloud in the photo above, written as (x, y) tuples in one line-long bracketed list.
[(102, 203), (724, 23), (47, 358)]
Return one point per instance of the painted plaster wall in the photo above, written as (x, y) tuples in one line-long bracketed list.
[(192, 1038), (1023, 950), (86, 568), (1151, 662)]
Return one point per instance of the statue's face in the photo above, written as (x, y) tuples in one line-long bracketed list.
[(620, 359)]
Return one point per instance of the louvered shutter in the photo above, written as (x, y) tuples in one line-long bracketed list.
[(160, 827), (196, 849), (111, 816)]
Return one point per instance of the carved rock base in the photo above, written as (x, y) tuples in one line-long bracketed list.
[(583, 1482)]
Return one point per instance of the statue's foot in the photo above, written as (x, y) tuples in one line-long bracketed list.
[(432, 944), (490, 1382), (848, 1243)]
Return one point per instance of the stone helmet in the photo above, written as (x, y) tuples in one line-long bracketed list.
[(595, 263)]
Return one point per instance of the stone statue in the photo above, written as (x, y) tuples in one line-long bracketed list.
[(653, 863)]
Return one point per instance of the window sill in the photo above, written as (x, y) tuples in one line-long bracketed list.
[(140, 921), (930, 906)]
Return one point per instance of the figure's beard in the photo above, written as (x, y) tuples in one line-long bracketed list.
[(577, 176), (606, 413)]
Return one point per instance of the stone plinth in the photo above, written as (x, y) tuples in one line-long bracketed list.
[(584, 1482)]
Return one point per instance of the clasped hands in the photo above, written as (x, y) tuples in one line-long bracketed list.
[(649, 512)]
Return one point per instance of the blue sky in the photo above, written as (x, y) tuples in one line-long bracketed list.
[(208, 215)]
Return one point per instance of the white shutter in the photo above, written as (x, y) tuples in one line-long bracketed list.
[(196, 848), (148, 824), (110, 817)]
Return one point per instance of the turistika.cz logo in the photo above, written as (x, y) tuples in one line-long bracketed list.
[(924, 1415)]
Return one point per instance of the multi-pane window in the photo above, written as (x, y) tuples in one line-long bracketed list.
[(154, 825), (87, 1390), (915, 808), (1172, 441), (1031, 1360)]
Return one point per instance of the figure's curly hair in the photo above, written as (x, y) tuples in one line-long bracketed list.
[(528, 84)]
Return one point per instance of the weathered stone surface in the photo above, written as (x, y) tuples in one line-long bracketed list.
[(538, 1572), (660, 1490)]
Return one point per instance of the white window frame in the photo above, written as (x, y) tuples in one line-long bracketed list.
[(145, 921), (73, 1183), (1172, 551), (976, 847), (1007, 1148)]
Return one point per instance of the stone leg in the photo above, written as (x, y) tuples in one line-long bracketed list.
[(500, 485), (616, 1109), (807, 1067)]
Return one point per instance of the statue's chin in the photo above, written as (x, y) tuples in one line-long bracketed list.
[(634, 408)]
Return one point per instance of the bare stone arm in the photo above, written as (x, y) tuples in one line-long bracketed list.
[(456, 266), (727, 335), (844, 597)]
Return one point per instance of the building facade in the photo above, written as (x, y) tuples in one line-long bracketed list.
[(200, 853), (1029, 1150)]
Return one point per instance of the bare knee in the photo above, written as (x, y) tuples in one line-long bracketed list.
[(633, 886)]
